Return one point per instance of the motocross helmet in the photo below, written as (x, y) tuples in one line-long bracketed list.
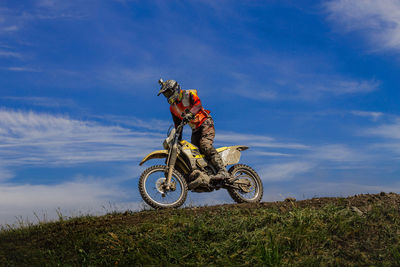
[(170, 89)]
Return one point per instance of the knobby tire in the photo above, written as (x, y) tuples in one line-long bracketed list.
[(234, 192), (149, 200)]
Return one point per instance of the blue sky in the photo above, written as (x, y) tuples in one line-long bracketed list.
[(310, 86)]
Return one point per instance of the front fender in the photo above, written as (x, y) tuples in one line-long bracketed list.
[(159, 154)]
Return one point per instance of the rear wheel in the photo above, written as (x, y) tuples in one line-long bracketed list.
[(153, 191), (249, 184)]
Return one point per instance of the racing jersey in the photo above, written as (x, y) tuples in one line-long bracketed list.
[(189, 101)]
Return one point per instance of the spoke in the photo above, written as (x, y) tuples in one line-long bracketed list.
[(253, 185), (154, 184)]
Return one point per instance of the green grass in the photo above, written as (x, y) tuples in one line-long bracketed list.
[(261, 235)]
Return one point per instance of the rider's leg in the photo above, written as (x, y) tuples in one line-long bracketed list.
[(206, 140), (196, 135)]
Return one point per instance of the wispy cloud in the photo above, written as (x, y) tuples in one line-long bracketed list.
[(316, 157), (58, 9), (284, 171), (235, 137), (286, 78), (339, 85), (50, 102), (390, 131), (73, 198), (49, 3), (122, 77), (5, 174), (23, 69), (378, 20), (8, 20), (16, 19), (371, 114), (135, 122), (256, 141), (35, 138), (389, 139), (389, 146), (9, 54), (10, 28), (271, 154), (337, 153)]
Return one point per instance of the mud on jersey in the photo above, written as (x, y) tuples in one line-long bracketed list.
[(188, 101)]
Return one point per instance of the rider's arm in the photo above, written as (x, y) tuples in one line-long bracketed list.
[(176, 120), (195, 103)]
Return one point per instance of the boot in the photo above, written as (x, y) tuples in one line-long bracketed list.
[(222, 173)]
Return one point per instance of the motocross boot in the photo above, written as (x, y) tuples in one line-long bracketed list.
[(222, 174)]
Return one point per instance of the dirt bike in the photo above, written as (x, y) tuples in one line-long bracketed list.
[(166, 186)]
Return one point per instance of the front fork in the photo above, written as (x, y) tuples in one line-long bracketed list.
[(173, 156), (171, 165)]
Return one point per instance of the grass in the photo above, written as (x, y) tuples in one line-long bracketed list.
[(280, 234)]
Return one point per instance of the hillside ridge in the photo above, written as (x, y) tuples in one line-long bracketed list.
[(358, 230)]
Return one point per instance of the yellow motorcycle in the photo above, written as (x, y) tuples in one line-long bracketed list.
[(166, 186)]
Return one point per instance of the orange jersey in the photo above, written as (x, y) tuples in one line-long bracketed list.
[(188, 101)]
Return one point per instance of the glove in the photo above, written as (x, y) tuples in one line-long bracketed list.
[(188, 117)]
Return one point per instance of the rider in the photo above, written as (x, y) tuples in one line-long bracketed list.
[(186, 105)]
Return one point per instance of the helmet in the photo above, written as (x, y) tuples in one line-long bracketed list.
[(170, 89)]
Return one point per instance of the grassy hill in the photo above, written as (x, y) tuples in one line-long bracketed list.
[(359, 230)]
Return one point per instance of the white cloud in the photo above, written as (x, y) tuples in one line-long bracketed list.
[(389, 146), (279, 145), (131, 121), (337, 153), (48, 3), (9, 54), (339, 85), (271, 154), (255, 141), (35, 138), (17, 18), (296, 77), (235, 137), (284, 171), (391, 131), (22, 69), (49, 102), (379, 20), (7, 22), (127, 77), (5, 174), (59, 9), (390, 138), (373, 115), (10, 28), (314, 86), (72, 198), (315, 157)]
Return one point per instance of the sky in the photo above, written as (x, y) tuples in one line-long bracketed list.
[(310, 86)]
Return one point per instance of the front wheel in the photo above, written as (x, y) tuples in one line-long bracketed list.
[(250, 187), (152, 188)]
